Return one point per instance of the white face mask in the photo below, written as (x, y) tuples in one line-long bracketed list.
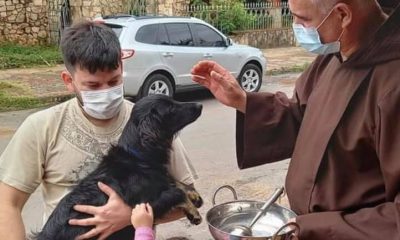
[(103, 104), (309, 39)]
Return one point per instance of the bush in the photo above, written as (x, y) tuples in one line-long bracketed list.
[(233, 18), (18, 56), (227, 16)]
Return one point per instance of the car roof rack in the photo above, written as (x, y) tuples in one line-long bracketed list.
[(159, 16), (118, 16), (149, 16)]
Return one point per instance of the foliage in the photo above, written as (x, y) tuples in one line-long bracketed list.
[(18, 56), (197, 3), (234, 17)]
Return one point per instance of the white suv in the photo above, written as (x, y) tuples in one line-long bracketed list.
[(159, 52)]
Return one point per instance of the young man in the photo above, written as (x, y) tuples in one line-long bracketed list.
[(59, 146), (341, 128)]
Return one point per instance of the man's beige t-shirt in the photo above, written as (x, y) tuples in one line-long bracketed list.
[(59, 146)]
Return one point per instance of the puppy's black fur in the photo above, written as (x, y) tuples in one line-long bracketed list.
[(136, 168)]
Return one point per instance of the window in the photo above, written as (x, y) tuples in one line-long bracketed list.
[(207, 37), (179, 34), (147, 34), (162, 35)]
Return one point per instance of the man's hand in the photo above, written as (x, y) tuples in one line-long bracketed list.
[(106, 219), (221, 83)]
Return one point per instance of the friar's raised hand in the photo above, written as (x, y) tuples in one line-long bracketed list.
[(222, 84)]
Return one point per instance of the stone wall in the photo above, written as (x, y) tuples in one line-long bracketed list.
[(82, 9), (23, 21), (270, 38), (27, 21), (172, 7), (92, 8)]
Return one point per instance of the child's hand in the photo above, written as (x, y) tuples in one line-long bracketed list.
[(142, 216)]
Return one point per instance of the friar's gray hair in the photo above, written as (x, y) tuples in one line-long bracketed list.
[(325, 5)]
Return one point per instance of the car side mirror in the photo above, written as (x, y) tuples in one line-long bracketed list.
[(228, 42)]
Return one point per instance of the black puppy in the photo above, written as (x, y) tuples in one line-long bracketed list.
[(136, 168)]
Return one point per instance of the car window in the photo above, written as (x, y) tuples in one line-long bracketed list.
[(179, 34), (116, 28), (162, 35), (206, 36), (147, 34)]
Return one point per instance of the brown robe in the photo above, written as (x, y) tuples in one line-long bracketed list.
[(342, 131)]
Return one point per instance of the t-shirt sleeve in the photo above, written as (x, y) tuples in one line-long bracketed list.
[(144, 233), (180, 166), (21, 163)]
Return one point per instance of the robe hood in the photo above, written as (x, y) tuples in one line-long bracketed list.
[(384, 46)]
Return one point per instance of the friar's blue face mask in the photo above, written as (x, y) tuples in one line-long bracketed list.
[(308, 38)]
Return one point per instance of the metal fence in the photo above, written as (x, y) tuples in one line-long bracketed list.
[(59, 17), (53, 16), (246, 16)]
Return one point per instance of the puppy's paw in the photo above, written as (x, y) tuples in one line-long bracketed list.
[(195, 198), (194, 219), (191, 194), (191, 212)]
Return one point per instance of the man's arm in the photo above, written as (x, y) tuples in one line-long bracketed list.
[(112, 217), (12, 201)]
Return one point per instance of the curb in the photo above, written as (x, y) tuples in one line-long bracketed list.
[(56, 98)]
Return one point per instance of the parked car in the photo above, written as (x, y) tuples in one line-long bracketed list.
[(159, 52)]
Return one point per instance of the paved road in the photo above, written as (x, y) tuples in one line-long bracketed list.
[(210, 142)]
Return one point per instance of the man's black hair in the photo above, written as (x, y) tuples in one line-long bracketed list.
[(91, 46)]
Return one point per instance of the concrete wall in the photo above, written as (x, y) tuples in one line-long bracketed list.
[(270, 38)]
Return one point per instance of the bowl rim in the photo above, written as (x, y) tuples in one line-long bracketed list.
[(242, 201)]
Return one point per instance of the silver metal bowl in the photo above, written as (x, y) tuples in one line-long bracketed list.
[(222, 219)]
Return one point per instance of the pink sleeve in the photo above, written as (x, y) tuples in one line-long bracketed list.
[(144, 233)]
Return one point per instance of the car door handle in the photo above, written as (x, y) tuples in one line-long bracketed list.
[(207, 55), (167, 54)]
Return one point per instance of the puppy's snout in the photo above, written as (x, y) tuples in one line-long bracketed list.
[(199, 107)]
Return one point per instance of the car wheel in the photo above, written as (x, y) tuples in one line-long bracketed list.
[(157, 84), (250, 78)]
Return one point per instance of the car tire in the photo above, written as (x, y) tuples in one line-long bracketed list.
[(157, 84), (250, 78)]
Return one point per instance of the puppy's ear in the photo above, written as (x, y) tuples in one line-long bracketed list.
[(128, 138), (149, 130)]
